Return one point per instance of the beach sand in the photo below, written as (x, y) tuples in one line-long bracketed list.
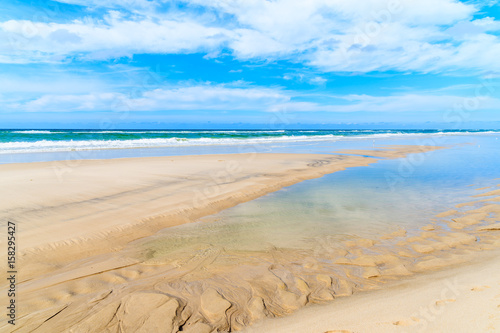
[(463, 298), (90, 261)]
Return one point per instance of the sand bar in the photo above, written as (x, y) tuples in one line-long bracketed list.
[(57, 203), (91, 262), (124, 199)]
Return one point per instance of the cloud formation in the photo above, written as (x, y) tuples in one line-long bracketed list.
[(201, 97), (330, 35), (239, 56), (256, 99)]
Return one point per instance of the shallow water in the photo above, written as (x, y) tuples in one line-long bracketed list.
[(273, 255), (357, 202)]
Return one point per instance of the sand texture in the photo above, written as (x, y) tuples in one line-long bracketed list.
[(465, 298), (91, 262)]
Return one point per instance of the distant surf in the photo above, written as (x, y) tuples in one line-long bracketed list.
[(35, 140)]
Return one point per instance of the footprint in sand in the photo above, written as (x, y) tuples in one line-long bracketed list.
[(480, 288), (444, 301), (403, 323), (406, 322)]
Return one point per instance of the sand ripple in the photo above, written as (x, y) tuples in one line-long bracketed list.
[(214, 288)]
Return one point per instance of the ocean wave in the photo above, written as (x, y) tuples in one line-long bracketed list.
[(34, 132), (180, 132), (69, 145)]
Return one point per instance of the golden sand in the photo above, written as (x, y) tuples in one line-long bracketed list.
[(89, 264)]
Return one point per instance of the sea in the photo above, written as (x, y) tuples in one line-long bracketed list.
[(357, 202), (31, 145), (365, 202)]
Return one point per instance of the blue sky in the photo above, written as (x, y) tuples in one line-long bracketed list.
[(249, 63)]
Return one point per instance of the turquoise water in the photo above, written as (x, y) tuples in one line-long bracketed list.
[(12, 141), (51, 145), (357, 202)]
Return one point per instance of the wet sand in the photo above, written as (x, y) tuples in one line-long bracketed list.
[(91, 262), (457, 288), (463, 298)]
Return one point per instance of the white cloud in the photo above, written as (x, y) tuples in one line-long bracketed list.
[(103, 40), (110, 3), (38, 83), (202, 97), (417, 103), (352, 36), (331, 35), (247, 98), (306, 77)]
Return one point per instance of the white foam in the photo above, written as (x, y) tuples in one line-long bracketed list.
[(69, 145), (34, 132), (180, 132)]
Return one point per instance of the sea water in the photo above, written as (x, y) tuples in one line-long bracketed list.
[(17, 146), (366, 201), (357, 202)]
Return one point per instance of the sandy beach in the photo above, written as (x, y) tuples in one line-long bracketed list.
[(249, 166), (462, 298), (92, 259)]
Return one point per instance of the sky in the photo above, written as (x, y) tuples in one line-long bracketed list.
[(108, 64)]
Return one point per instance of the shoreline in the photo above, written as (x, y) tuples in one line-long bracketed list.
[(409, 134), (195, 186), (89, 193), (65, 272)]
